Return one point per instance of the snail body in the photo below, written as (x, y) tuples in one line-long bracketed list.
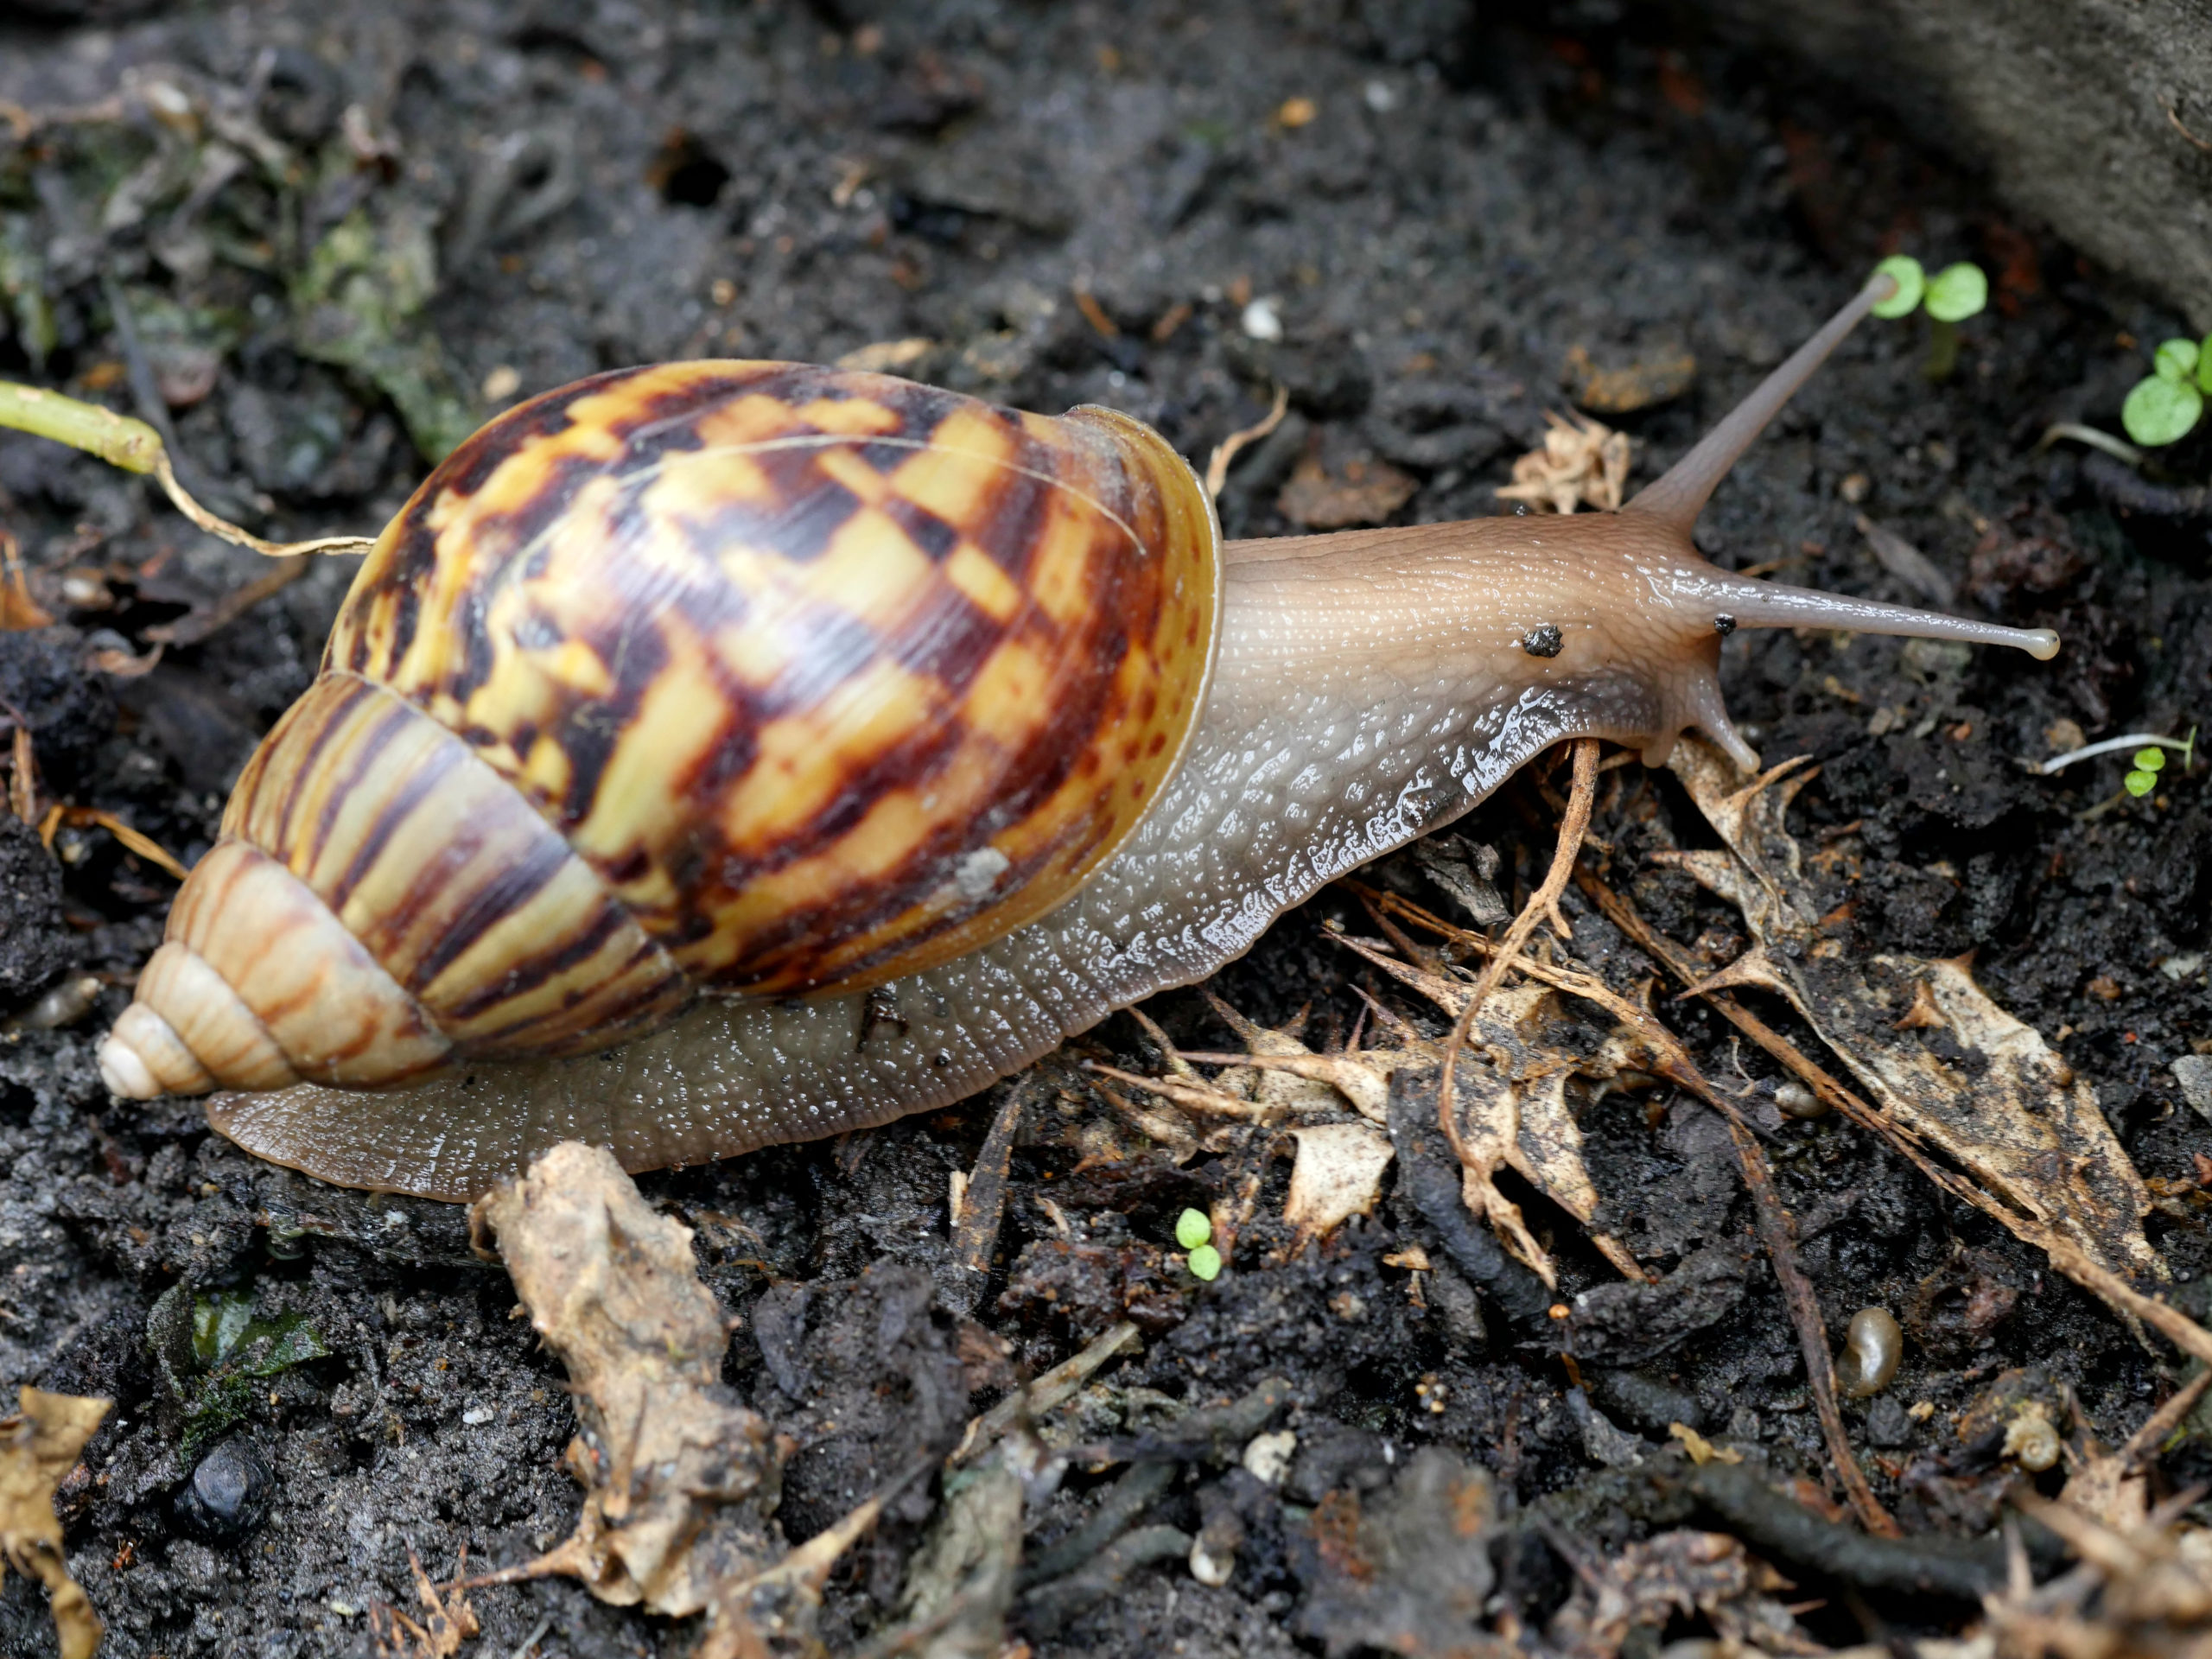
[(717, 754)]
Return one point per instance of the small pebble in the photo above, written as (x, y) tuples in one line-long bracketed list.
[(1871, 1351), (1267, 1456), (1207, 1569), (2194, 1073), (477, 1415), (1261, 320), (228, 1494)]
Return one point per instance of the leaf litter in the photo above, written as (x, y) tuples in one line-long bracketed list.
[(681, 1481), (1944, 1063), (39, 1445), (1951, 1074)]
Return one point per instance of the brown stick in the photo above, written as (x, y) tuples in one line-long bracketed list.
[(2067, 1256), (1776, 1230), (982, 1205), (1226, 450), (2143, 1443), (1543, 902), (1779, 1231)]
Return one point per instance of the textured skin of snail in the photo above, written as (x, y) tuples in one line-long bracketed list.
[(717, 754)]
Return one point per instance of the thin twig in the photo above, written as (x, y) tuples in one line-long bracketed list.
[(976, 1228), (1225, 451), (2174, 116), (1544, 902), (1778, 1232), (2143, 1443), (2067, 1256)]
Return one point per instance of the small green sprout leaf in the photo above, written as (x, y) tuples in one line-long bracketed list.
[(2204, 364), (1193, 1228), (2150, 759), (1911, 281), (2160, 411), (1957, 292), (2174, 360), (2141, 782), (1205, 1263)]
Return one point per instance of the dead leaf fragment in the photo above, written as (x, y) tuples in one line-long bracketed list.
[(1652, 1583), (887, 356), (2141, 1590), (447, 1620), (39, 1445), (680, 1480), (1656, 378), (1583, 463), (1409, 1574), (1368, 493), (1701, 1450), (1976, 1084), (1337, 1175)]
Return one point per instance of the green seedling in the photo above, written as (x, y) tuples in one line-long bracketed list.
[(2144, 777), (1193, 1231), (2166, 404), (1950, 296), (134, 447)]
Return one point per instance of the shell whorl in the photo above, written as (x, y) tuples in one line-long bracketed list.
[(749, 677)]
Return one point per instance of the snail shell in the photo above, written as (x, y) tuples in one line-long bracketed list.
[(721, 753), (740, 678)]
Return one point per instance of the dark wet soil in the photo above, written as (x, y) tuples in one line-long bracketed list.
[(538, 191)]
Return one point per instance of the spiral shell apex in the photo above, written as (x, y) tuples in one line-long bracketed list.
[(742, 677)]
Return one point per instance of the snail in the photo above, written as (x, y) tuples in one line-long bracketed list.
[(719, 754)]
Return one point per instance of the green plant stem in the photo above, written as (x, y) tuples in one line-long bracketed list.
[(2117, 448), (116, 439), (1942, 350), (2185, 747), (137, 447)]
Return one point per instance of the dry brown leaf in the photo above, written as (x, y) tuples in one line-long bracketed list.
[(2142, 1592), (1511, 1085), (1337, 1175), (1656, 378), (1369, 493), (680, 1480), (1584, 463), (887, 356), (448, 1620), (1653, 1583), (1976, 1084), (39, 1445)]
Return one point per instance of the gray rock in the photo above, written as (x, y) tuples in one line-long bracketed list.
[(2076, 108), (2194, 1073)]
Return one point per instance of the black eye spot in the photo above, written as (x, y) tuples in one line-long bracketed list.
[(1543, 642), (1724, 624)]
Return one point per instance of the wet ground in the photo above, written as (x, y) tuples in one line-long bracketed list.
[(345, 233)]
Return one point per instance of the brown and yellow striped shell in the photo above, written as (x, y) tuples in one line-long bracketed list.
[(747, 677)]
